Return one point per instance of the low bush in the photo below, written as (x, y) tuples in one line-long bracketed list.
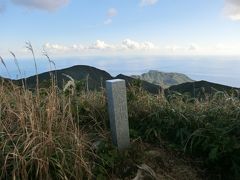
[(206, 129)]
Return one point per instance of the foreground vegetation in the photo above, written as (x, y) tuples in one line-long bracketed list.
[(49, 133), (206, 129)]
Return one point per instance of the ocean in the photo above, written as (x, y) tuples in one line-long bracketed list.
[(218, 69)]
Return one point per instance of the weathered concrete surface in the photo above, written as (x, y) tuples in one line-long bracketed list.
[(118, 113)]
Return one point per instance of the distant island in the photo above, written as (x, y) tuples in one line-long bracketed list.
[(163, 79)]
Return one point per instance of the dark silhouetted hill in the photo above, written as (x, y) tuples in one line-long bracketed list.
[(94, 77), (198, 88), (152, 88)]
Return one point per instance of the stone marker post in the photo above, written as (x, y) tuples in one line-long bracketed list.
[(118, 113)]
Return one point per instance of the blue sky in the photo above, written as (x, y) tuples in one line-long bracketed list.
[(120, 27)]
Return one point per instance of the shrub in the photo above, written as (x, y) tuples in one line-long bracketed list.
[(208, 129)]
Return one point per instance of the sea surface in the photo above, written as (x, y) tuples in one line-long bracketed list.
[(220, 69)]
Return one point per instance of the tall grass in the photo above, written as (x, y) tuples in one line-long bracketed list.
[(30, 48), (39, 138), (51, 134)]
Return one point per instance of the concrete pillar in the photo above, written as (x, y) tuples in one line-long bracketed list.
[(118, 113)]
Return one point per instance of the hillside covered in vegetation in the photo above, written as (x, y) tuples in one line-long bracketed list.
[(53, 133), (92, 78)]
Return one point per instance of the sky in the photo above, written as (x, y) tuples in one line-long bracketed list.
[(120, 27)]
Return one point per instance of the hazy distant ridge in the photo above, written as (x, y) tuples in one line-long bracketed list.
[(163, 79)]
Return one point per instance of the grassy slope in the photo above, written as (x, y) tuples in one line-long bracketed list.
[(200, 88), (49, 134), (53, 134)]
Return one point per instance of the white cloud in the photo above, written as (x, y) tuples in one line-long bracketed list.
[(183, 49), (232, 9), (174, 48), (77, 47), (110, 14), (148, 2), (129, 44), (55, 47), (133, 45), (100, 45), (47, 5)]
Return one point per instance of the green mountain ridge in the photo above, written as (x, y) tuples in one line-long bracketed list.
[(163, 79), (94, 79), (201, 88)]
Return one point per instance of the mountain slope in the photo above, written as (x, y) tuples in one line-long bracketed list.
[(198, 88), (152, 88), (96, 80), (163, 79), (94, 77)]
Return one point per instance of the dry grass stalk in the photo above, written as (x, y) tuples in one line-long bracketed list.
[(39, 138)]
